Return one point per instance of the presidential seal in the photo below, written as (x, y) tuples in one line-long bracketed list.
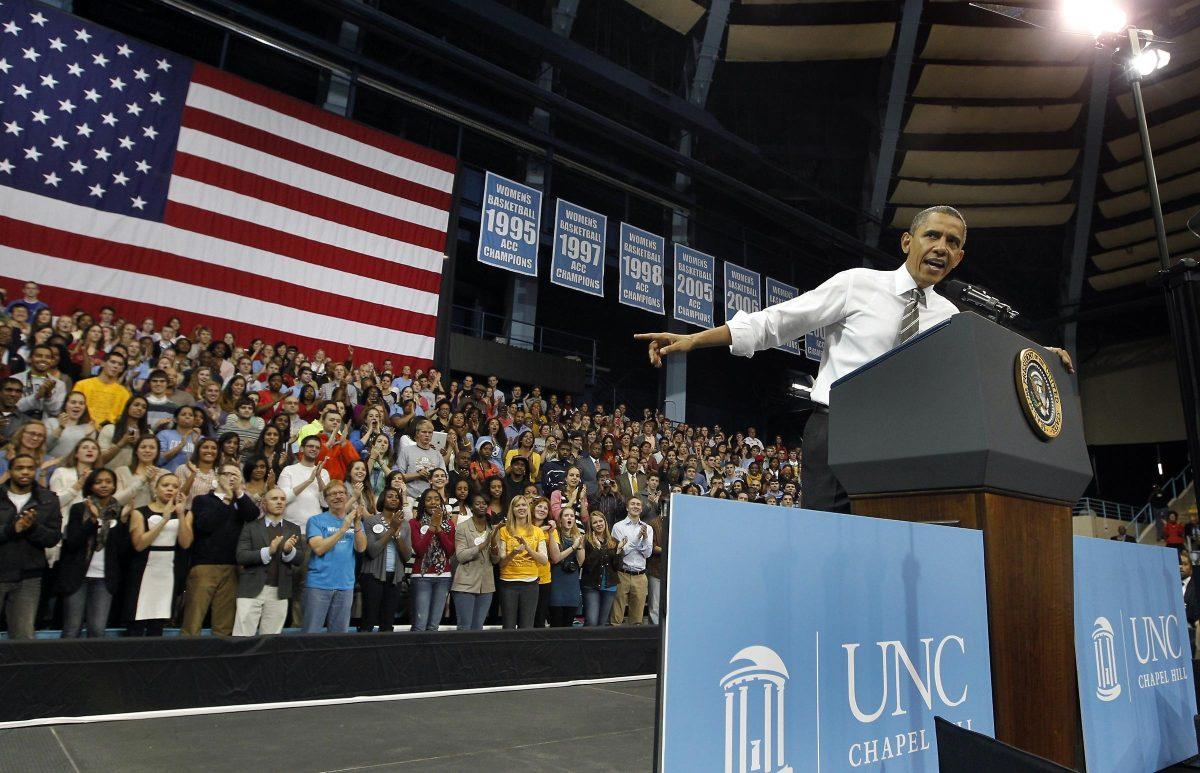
[(1039, 395)]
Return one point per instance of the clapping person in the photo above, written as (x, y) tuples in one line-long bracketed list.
[(156, 532), (540, 507), (30, 522), (71, 425), (389, 546), (359, 487), (432, 534), (135, 481), (334, 536), (599, 576), (572, 494), (89, 567), (565, 595), (635, 543), (520, 550), (217, 520), (474, 580), (268, 550), (199, 475)]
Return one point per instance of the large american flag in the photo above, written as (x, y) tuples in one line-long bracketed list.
[(134, 177)]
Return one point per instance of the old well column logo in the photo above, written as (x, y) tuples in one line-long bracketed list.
[(754, 700), (1108, 687)]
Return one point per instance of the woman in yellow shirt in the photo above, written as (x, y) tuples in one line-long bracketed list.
[(521, 550)]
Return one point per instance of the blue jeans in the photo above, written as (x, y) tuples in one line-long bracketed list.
[(429, 601), (471, 609), (92, 599), (332, 605), (597, 605)]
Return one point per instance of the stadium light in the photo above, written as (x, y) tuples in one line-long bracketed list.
[(1096, 17), (1149, 60)]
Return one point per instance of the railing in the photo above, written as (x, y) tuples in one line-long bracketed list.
[(1172, 488), (504, 330), (1104, 509)]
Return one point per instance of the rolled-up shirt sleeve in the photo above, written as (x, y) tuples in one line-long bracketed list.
[(791, 319)]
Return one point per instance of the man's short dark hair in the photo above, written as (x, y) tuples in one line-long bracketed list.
[(940, 209), (314, 438), (250, 401), (116, 354)]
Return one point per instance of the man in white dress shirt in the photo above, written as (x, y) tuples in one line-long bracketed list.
[(865, 313)]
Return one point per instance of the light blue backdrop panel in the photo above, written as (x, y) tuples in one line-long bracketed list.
[(1136, 692), (799, 640)]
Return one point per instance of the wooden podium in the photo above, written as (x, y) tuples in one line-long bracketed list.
[(937, 431)]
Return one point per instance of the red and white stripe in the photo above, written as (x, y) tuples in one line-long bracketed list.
[(283, 221)]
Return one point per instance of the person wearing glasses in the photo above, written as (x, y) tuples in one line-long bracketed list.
[(217, 521)]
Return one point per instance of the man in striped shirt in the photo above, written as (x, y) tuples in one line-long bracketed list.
[(245, 424)]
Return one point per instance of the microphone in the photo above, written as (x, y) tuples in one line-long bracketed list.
[(980, 301)]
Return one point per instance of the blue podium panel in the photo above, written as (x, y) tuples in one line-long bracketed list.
[(798, 640), (1133, 656)]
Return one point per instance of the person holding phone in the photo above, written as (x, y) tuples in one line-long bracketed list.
[(432, 534), (157, 532)]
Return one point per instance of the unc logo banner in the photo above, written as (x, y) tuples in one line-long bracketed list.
[(510, 225), (803, 657), (1133, 656)]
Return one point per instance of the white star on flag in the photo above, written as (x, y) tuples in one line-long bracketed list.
[(66, 105), (78, 166), (39, 116), (59, 142), (52, 179), (125, 142), (6, 166), (82, 34), (49, 80), (100, 59), (84, 130), (164, 65), (5, 66), (150, 132), (102, 154), (57, 44), (120, 179), (91, 95), (134, 108), (32, 153), (96, 190), (20, 91), (141, 75), (124, 50), (117, 84), (157, 98), (13, 128), (137, 202), (38, 19), (75, 69), (12, 28), (142, 166), (108, 119), (30, 54)]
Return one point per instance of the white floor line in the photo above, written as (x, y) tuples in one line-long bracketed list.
[(303, 704)]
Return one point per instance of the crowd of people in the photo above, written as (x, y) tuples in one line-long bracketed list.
[(154, 475)]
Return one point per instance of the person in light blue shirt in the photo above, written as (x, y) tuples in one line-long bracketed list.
[(334, 537), (179, 441)]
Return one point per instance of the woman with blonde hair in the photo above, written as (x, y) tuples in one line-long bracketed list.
[(158, 531), (539, 508), (598, 577), (520, 549), (29, 439)]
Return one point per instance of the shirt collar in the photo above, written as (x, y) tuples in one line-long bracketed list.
[(903, 281)]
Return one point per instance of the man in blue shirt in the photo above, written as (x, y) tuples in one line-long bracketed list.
[(334, 537), (30, 301)]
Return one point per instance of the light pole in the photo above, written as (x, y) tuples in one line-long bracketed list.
[(1181, 282)]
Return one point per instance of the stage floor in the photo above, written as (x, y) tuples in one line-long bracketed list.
[(596, 727)]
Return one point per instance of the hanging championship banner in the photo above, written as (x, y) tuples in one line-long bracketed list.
[(778, 292), (695, 278), (578, 259), (643, 257), (743, 290), (509, 225)]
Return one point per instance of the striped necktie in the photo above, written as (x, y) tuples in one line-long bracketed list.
[(908, 323)]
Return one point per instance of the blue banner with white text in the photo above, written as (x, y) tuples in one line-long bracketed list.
[(695, 280), (813, 660), (1133, 656), (578, 259), (743, 290), (814, 344), (778, 292), (643, 262), (510, 221)]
